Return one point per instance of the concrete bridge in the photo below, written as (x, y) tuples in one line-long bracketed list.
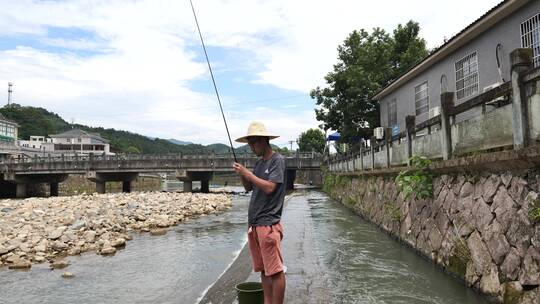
[(21, 172)]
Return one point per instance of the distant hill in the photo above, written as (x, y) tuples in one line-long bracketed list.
[(179, 142), (41, 122)]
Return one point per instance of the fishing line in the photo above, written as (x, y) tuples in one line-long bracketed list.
[(213, 80)]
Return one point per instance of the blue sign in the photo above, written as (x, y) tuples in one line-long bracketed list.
[(395, 130)]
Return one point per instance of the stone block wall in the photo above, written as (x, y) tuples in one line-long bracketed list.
[(477, 227)]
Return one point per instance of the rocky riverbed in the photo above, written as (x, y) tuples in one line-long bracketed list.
[(38, 230)]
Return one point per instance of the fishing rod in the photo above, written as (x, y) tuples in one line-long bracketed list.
[(213, 80)]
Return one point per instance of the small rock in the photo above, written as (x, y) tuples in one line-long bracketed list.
[(57, 233), (67, 275), (119, 242), (3, 250), (108, 250), (59, 246), (20, 264), (39, 259), (158, 231), (59, 264), (78, 224), (89, 236)]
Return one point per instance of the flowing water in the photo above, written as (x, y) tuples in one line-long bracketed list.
[(362, 264), (365, 265)]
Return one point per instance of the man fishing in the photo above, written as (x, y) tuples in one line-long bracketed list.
[(267, 180)]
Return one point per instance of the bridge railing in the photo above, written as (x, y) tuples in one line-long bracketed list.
[(50, 158)]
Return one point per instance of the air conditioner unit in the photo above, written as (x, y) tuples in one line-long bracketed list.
[(378, 133), (491, 87), (434, 112)]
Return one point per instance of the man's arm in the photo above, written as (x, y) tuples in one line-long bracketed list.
[(249, 179), (246, 183)]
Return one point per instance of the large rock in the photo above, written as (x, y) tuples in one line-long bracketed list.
[(466, 190), (435, 239), (496, 242), (490, 285), (520, 232), (518, 189), (512, 292), (490, 187), (511, 265), (530, 273), (504, 208), (479, 253), (482, 215)]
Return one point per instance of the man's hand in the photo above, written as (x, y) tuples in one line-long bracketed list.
[(243, 171)]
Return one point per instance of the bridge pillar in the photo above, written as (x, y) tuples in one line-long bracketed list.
[(100, 187), (21, 190), (290, 176), (126, 186), (205, 186), (188, 186), (53, 189)]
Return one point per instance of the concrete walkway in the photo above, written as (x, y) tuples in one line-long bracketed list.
[(306, 282)]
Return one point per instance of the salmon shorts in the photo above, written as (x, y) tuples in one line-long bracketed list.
[(265, 247)]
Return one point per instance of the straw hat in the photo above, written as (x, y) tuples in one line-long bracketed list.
[(256, 129)]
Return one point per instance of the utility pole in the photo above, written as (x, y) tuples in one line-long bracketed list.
[(10, 90), (291, 142)]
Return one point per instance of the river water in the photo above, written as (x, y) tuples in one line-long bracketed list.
[(362, 264)]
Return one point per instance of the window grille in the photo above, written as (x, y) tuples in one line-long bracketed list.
[(392, 113), (530, 37), (421, 99), (466, 76)]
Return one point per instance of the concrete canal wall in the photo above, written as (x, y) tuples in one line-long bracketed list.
[(476, 226)]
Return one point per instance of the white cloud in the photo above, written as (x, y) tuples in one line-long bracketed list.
[(135, 62)]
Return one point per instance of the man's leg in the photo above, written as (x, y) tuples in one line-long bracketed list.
[(278, 288), (267, 288)]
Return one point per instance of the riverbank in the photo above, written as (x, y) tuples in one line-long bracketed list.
[(38, 230)]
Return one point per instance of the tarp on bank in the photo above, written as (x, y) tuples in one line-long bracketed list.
[(334, 137)]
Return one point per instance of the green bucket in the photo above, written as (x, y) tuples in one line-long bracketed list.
[(250, 293)]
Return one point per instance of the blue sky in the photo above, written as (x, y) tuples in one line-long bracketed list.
[(139, 66)]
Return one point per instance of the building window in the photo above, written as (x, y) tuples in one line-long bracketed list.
[(467, 76), (392, 113), (421, 99), (530, 37)]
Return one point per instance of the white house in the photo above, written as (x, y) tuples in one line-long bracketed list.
[(76, 142), (8, 138)]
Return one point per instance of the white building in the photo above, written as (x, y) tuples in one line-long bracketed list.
[(76, 142), (35, 142), (8, 138)]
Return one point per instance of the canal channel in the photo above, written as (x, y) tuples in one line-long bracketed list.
[(358, 263)]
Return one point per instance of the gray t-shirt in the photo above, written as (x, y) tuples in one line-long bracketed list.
[(265, 210)]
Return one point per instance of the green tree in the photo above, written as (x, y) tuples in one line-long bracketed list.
[(366, 63), (133, 150), (311, 140)]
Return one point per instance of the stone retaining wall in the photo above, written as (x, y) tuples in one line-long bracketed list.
[(476, 226)]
